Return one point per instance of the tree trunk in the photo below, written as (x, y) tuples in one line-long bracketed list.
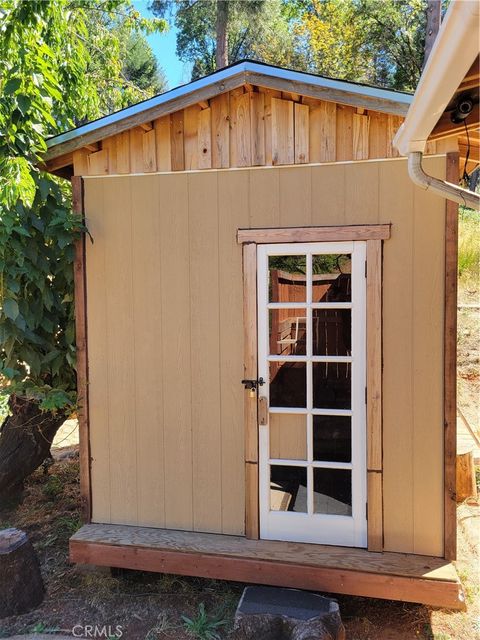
[(21, 585), (434, 11), (272, 613), (221, 53), (25, 440)]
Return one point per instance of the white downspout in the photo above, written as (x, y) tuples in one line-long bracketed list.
[(440, 187)]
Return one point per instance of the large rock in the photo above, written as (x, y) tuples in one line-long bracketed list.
[(21, 585), (271, 613)]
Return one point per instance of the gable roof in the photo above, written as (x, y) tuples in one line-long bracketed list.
[(236, 75)]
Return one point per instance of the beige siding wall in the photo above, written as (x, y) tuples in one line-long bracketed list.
[(164, 286)]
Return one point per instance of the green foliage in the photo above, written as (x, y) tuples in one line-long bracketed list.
[(256, 29), (203, 626), (370, 41), (42, 627), (121, 69), (61, 61), (37, 315), (53, 487), (469, 246), (66, 526), (320, 264), (331, 39), (373, 41), (395, 40), (290, 264), (141, 66), (39, 86)]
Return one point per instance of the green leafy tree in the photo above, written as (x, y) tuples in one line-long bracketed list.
[(141, 67), (49, 76), (121, 66), (331, 39), (381, 42), (215, 33)]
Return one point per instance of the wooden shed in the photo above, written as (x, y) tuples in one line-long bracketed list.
[(261, 338)]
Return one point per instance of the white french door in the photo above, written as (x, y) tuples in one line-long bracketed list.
[(311, 356)]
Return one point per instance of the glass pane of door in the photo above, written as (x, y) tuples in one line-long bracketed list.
[(311, 306)]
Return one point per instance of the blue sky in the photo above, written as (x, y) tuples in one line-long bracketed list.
[(163, 45)]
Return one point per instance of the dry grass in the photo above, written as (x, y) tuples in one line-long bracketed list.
[(461, 625), (469, 247), (468, 342)]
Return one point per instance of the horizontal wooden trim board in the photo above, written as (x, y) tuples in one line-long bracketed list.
[(315, 234), (393, 576)]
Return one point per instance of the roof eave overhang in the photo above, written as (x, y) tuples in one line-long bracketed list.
[(452, 55), (226, 80)]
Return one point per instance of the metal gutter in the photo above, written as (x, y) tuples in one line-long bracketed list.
[(455, 49), (452, 55), (219, 82)]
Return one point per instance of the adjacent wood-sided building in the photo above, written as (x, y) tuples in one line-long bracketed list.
[(260, 326)]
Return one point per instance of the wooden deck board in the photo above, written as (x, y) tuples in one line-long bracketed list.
[(398, 576)]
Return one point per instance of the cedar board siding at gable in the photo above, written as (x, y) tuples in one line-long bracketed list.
[(245, 128), (165, 338)]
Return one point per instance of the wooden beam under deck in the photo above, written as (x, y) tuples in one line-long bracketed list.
[(393, 576)]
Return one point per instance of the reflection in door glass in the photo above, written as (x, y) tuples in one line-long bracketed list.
[(331, 385), (287, 279), (288, 384), (332, 438), (332, 278), (332, 332), (288, 488), (332, 491), (288, 332)]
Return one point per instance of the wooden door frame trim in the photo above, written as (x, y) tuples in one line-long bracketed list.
[(250, 372), (450, 363), (374, 420), (374, 398), (315, 234), (81, 334)]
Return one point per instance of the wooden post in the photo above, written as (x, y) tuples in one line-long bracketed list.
[(434, 12), (450, 364), (465, 474), (82, 355)]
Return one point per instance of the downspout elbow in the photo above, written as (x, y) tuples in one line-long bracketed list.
[(440, 187)]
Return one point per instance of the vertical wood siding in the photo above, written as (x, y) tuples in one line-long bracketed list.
[(246, 127), (164, 288)]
